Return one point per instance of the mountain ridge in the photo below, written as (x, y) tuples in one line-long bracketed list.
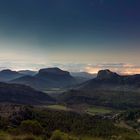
[(107, 89), (7, 75), (21, 94), (47, 78)]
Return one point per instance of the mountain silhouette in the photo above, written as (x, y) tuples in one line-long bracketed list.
[(7, 75), (59, 77), (107, 74), (47, 78)]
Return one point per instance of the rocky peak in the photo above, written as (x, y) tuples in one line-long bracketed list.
[(106, 74), (55, 71)]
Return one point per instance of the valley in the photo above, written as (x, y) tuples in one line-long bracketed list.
[(102, 108), (69, 69)]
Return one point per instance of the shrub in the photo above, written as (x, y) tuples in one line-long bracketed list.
[(29, 138), (13, 131), (16, 138), (31, 127), (58, 135), (3, 123)]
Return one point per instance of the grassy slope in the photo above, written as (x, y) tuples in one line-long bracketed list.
[(98, 110), (93, 110), (58, 107)]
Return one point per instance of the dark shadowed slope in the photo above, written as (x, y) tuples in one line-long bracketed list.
[(107, 80), (107, 89), (21, 94), (47, 78), (31, 81)]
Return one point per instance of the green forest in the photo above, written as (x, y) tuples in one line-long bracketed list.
[(34, 123)]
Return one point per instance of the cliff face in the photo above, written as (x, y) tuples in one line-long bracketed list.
[(107, 74)]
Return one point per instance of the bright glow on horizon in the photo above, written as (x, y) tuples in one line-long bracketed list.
[(120, 68), (124, 69), (70, 35)]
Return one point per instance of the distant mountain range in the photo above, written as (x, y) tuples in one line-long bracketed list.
[(20, 94), (83, 76), (107, 80), (47, 78), (107, 89), (28, 72), (7, 75)]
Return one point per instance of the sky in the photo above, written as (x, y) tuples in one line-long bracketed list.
[(75, 35)]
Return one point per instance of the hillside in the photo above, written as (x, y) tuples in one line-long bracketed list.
[(47, 78), (107, 89), (36, 123), (58, 77), (7, 75), (31, 81), (20, 94)]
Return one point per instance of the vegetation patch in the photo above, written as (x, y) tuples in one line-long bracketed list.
[(33, 123), (58, 107), (98, 110)]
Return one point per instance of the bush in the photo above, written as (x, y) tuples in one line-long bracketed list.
[(29, 138), (3, 123), (31, 127), (2, 138), (58, 135), (13, 131), (16, 138)]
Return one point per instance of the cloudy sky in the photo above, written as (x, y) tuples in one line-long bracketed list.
[(76, 35)]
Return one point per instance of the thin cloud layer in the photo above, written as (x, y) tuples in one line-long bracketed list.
[(121, 68)]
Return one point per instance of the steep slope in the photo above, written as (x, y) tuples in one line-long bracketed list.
[(107, 80), (21, 94), (56, 76), (107, 89), (31, 81), (7, 75)]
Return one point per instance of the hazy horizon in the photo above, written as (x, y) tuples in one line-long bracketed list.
[(71, 70), (75, 35)]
